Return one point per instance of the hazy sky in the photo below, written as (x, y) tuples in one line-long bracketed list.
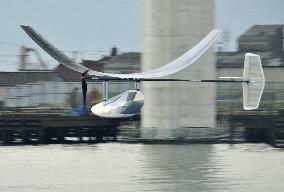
[(88, 26), (92, 26), (237, 16)]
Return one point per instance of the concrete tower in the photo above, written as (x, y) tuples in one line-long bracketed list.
[(170, 29)]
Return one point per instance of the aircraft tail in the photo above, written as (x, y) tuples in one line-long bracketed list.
[(253, 81), (253, 88)]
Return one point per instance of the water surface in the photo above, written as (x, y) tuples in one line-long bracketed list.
[(119, 167)]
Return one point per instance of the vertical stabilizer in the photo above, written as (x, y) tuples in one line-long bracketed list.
[(253, 89)]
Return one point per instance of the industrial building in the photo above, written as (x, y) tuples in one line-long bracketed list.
[(37, 86)]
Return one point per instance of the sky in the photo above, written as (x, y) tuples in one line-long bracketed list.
[(234, 17), (92, 27)]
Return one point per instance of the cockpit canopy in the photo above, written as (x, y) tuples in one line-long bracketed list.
[(128, 96)]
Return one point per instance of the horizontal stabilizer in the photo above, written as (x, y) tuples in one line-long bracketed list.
[(253, 89)]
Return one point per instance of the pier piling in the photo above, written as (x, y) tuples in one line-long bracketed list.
[(45, 129)]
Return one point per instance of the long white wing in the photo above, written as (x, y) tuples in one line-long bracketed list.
[(178, 64)]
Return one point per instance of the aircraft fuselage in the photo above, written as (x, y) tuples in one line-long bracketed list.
[(123, 105)]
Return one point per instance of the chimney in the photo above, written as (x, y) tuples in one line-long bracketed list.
[(113, 51)]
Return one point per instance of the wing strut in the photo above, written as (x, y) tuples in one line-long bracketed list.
[(105, 90)]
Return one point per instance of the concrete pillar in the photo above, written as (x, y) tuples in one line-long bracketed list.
[(170, 29)]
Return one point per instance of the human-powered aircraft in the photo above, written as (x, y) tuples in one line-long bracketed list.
[(129, 103)]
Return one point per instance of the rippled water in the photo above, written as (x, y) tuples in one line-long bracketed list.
[(137, 167)]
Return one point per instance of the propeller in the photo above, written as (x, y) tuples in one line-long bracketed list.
[(84, 88)]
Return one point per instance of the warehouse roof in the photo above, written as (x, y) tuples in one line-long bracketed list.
[(12, 78)]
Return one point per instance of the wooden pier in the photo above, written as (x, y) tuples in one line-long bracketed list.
[(255, 126), (48, 128), (21, 126)]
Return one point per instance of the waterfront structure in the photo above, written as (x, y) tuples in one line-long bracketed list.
[(54, 88), (170, 29)]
